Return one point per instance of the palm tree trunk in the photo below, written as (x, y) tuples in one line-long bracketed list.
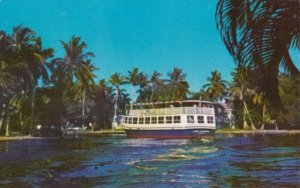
[(21, 120), (116, 106), (33, 94), (83, 107), (245, 124), (7, 120), (152, 91), (2, 115), (263, 117), (133, 94), (247, 112)]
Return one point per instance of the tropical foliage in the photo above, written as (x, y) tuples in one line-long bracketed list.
[(74, 71), (216, 87), (23, 62), (260, 34), (37, 88)]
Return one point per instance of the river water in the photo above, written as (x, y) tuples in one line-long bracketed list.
[(117, 161)]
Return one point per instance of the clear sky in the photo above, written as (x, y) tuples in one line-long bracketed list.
[(150, 34)]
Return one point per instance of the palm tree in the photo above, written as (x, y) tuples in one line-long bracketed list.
[(75, 59), (75, 67), (133, 79), (216, 87), (240, 88), (136, 78), (25, 62), (6, 78), (117, 80), (143, 85), (85, 82), (259, 34), (155, 82), (29, 47), (177, 84)]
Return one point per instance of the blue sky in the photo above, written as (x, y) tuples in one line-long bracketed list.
[(149, 34)]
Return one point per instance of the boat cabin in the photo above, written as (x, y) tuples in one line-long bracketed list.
[(175, 112)]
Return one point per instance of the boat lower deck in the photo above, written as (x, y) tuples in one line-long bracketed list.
[(170, 134)]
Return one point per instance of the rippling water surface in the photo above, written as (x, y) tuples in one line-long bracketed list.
[(117, 161)]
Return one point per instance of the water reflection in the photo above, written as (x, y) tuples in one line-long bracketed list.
[(114, 161)]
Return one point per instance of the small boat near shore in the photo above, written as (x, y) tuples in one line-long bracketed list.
[(179, 119)]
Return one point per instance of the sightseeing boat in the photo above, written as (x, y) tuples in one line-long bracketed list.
[(180, 119)]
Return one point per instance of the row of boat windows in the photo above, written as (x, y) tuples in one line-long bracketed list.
[(167, 119)]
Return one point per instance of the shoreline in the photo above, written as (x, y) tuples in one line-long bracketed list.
[(219, 131), (258, 131), (109, 131)]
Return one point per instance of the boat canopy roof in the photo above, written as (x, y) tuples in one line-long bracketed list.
[(173, 103)]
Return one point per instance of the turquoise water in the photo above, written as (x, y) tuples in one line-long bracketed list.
[(117, 161)]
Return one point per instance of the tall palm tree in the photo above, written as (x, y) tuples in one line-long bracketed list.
[(85, 82), (155, 82), (259, 34), (75, 67), (177, 84), (136, 78), (216, 87), (25, 58), (6, 77), (70, 68), (133, 78), (117, 80), (143, 84)]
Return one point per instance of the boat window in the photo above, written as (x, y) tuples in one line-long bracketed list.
[(176, 119), (161, 120), (130, 120), (141, 120), (135, 120), (190, 119), (147, 120), (210, 119), (200, 119), (126, 120), (168, 119), (154, 120)]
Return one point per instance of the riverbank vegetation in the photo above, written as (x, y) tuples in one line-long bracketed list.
[(37, 88)]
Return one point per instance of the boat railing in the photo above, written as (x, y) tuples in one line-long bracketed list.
[(172, 110)]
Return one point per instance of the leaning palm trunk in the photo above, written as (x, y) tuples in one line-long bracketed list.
[(248, 114), (245, 124), (263, 117)]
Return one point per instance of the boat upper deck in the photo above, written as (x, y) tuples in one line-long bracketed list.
[(172, 108)]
